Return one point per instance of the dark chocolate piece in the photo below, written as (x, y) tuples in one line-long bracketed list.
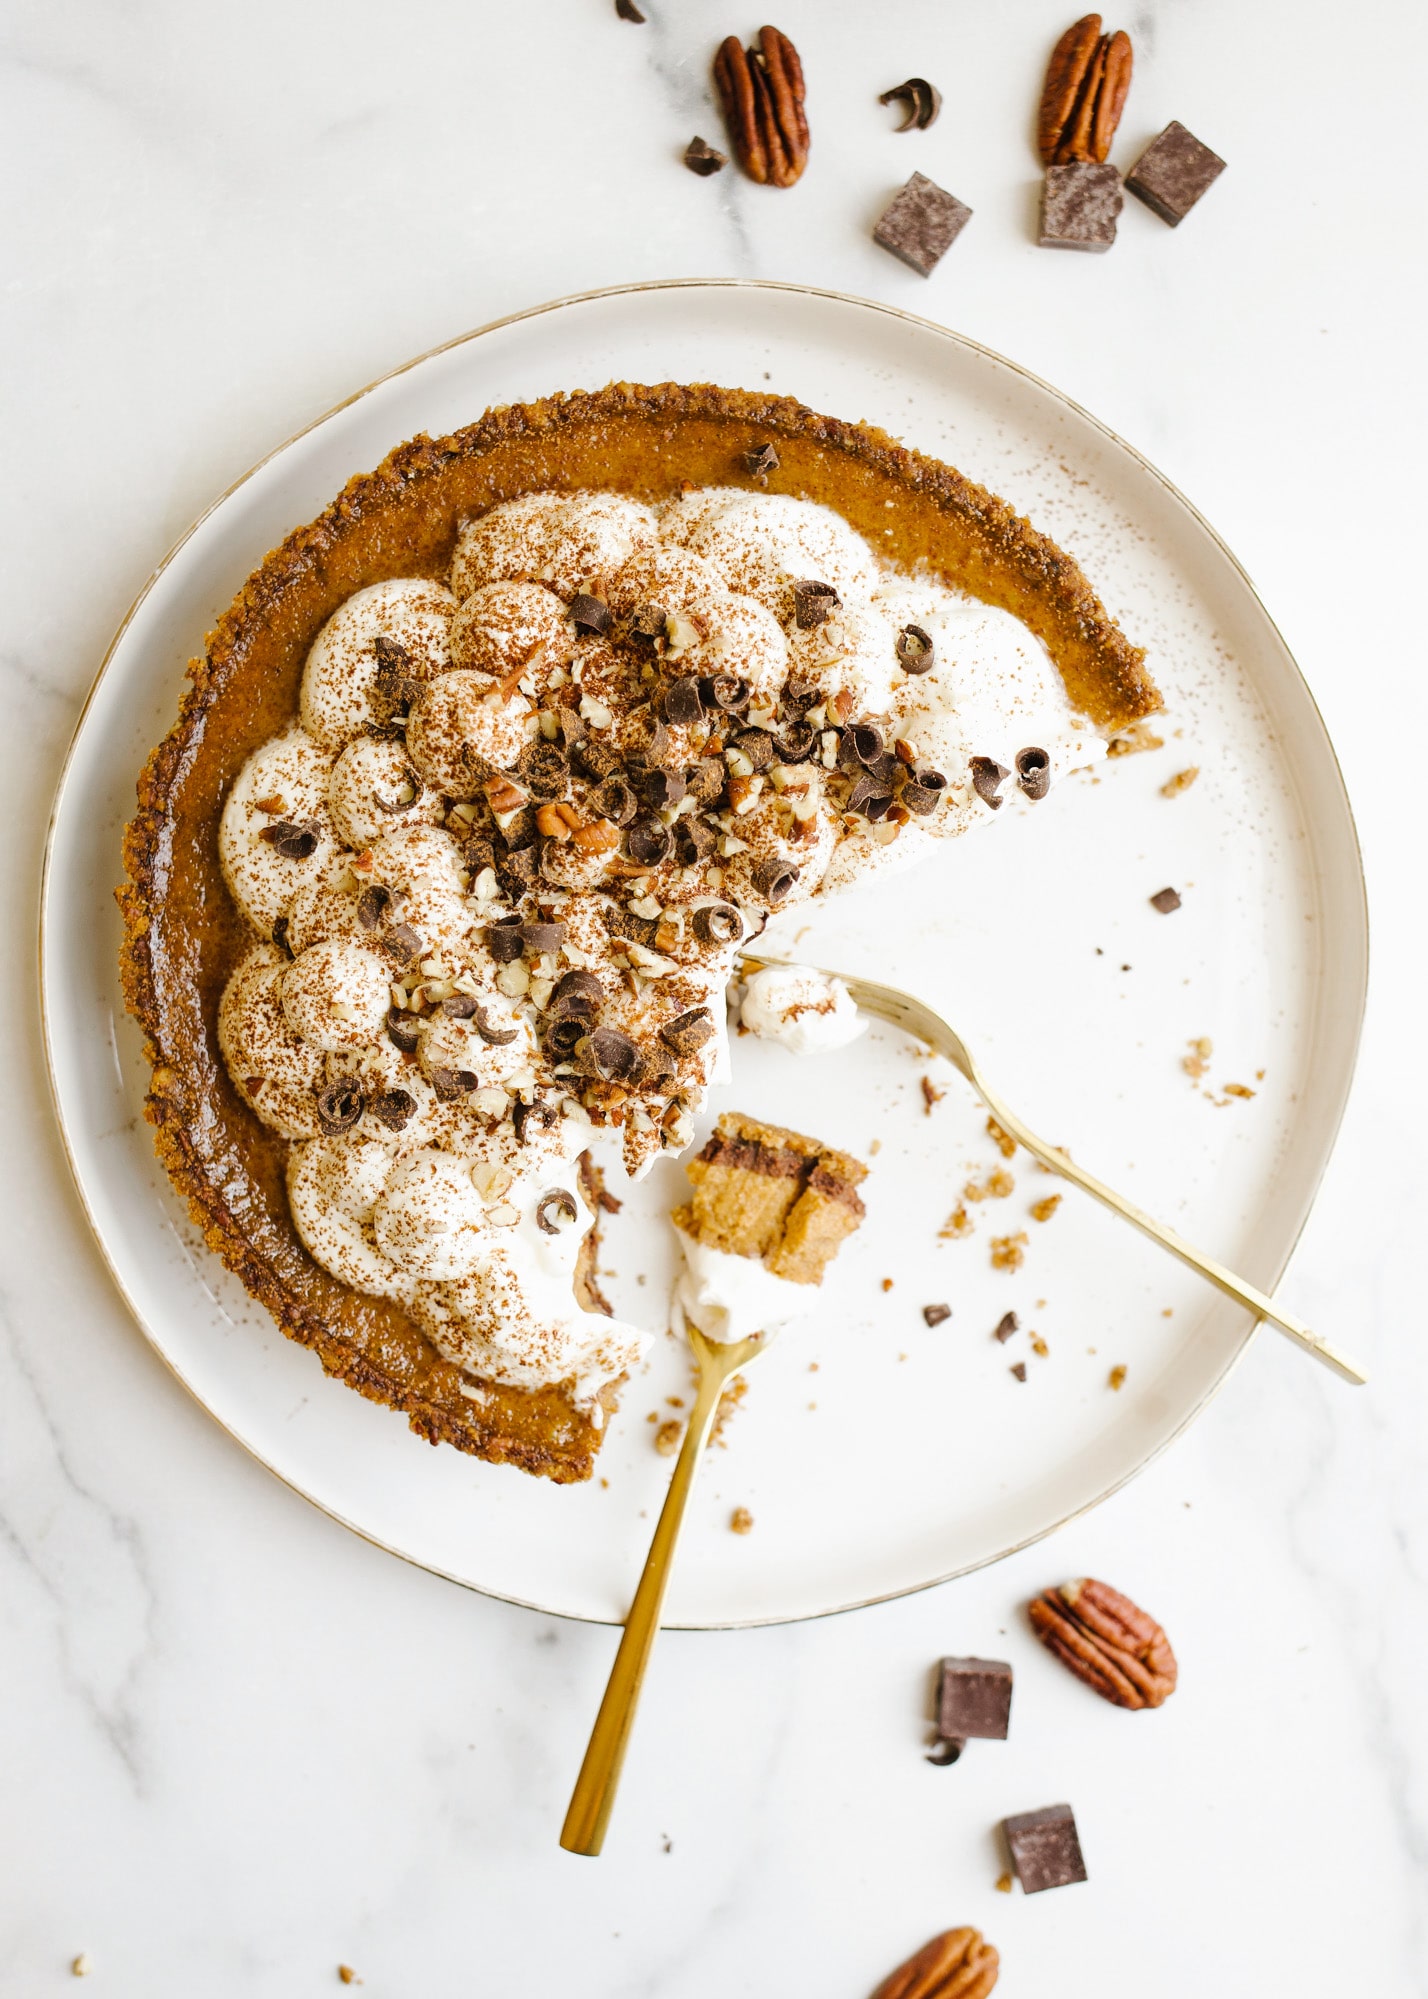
[(614, 1056), (406, 797), (294, 839), (948, 1750), (628, 11), (545, 771), (503, 940), (565, 1034), (1033, 772), (794, 742), (921, 100), (921, 223), (915, 650), (340, 1105), (694, 841), (373, 904), (1173, 172), (1019, 1370), (539, 1116), (649, 842), (974, 1700), (577, 992), (556, 1211), (1079, 206), (1045, 1851), (867, 742), (688, 1032), (756, 745), (461, 1006), (1005, 1327), (681, 700), (615, 800), (701, 158), (760, 460), (773, 879), (727, 691), (813, 603), (590, 614), (539, 938), (402, 943), (935, 1314), (403, 1029), (660, 787), (717, 923), (450, 1084), (393, 1108), (498, 1037), (648, 621), (988, 777), (1166, 900)]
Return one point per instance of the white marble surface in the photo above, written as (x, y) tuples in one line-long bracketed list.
[(241, 1746)]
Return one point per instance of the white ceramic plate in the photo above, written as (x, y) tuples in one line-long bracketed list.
[(876, 1454)]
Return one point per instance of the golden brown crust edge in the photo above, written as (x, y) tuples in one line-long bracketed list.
[(1001, 557)]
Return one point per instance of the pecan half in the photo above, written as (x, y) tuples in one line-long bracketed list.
[(1084, 95), (762, 92), (1107, 1641), (960, 1964)]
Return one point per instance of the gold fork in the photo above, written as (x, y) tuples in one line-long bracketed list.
[(594, 1795), (913, 1017)]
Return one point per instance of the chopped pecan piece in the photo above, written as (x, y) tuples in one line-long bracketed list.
[(960, 1964), (1110, 1644), (1084, 95), (762, 92)]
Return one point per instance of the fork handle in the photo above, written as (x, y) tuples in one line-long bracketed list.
[(593, 1798)]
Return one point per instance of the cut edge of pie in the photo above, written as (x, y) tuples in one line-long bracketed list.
[(181, 935)]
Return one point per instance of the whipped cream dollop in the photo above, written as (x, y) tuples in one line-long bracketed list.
[(733, 1297), (499, 866), (809, 1012)]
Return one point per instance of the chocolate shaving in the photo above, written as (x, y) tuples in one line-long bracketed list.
[(394, 1109), (545, 771), (867, 742), (688, 1033), (461, 1006), (615, 800), (919, 799), (987, 777), (681, 700), (590, 614), (628, 11), (1019, 1370), (869, 792), (410, 786), (403, 943), (707, 779), (294, 839), (813, 603), (915, 650), (539, 1116), (701, 158), (1033, 772), (726, 691), (694, 841), (504, 940), (450, 1084), (760, 460), (478, 853), (577, 992), (935, 1314), (649, 842), (496, 1037), (596, 758), (949, 1748), (920, 99), (340, 1105), (280, 935), (373, 904), (717, 923), (403, 1029), (1005, 1327), (556, 1211), (660, 788), (756, 745), (565, 1034), (613, 1055), (392, 656), (773, 879), (625, 923), (793, 743), (648, 621), (800, 694), (541, 938), (518, 867), (1165, 900)]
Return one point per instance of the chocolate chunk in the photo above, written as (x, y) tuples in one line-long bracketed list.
[(793, 743), (280, 935), (760, 460), (615, 800), (340, 1105), (1173, 172), (565, 1034), (497, 1037), (649, 842), (1033, 772), (613, 1055), (648, 621), (974, 1700), (688, 1033), (625, 923), (701, 158), (920, 99), (660, 788), (869, 795), (800, 695), (867, 742), (373, 904), (1079, 206), (921, 223), (577, 992), (590, 614), (694, 841), (659, 1070), (726, 691), (935, 1314), (1166, 900), (919, 799), (1044, 1848), (394, 1109), (450, 1084), (1005, 1327), (556, 1211), (756, 745), (628, 11), (545, 771), (1019, 1370), (478, 853), (681, 700), (403, 943), (461, 1006), (649, 738), (707, 779), (915, 651), (294, 839), (540, 938), (717, 923), (528, 1118), (987, 779), (813, 603), (518, 868), (504, 940), (773, 879), (403, 1029)]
